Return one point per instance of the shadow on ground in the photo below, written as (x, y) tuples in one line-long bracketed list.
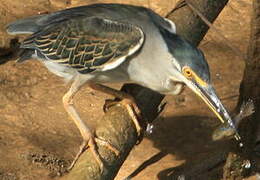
[(188, 138)]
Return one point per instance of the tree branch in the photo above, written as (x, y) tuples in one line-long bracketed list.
[(116, 126)]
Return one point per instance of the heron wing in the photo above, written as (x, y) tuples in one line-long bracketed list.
[(87, 44)]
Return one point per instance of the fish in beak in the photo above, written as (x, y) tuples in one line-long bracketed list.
[(207, 93)]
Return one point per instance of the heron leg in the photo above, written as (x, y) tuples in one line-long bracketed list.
[(89, 140), (126, 100)]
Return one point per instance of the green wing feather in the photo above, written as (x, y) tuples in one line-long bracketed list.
[(87, 44)]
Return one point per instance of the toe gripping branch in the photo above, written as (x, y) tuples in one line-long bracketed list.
[(134, 112), (139, 118), (137, 102)]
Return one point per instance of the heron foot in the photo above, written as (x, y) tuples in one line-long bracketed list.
[(91, 142), (132, 109)]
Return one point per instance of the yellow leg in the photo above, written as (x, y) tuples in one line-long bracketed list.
[(88, 139)]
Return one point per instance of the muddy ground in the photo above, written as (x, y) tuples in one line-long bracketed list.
[(38, 139)]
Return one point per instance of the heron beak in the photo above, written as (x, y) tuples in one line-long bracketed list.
[(207, 93)]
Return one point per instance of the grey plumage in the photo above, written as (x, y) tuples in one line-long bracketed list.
[(116, 12), (137, 17), (24, 26)]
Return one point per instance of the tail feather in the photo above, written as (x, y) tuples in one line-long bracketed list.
[(24, 26), (36, 23)]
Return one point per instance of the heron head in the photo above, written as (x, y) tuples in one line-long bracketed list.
[(191, 68)]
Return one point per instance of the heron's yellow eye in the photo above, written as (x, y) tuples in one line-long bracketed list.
[(187, 72)]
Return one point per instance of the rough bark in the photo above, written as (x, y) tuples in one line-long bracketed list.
[(190, 25), (249, 89), (116, 126)]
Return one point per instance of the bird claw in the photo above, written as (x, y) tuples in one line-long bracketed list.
[(92, 144), (108, 104), (82, 148), (133, 111)]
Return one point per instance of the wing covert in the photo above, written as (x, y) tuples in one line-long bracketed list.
[(87, 44)]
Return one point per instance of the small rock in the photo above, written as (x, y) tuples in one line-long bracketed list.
[(218, 76)]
